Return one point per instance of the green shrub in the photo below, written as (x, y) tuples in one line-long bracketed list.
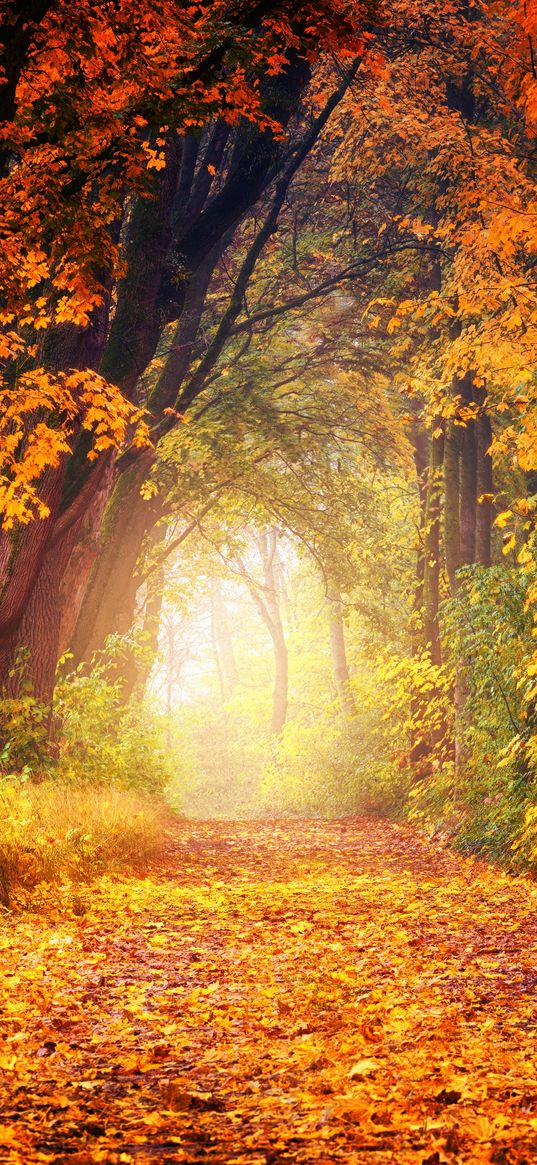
[(103, 740), (485, 806), (331, 768)]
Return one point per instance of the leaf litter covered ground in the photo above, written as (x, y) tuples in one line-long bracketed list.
[(289, 992)]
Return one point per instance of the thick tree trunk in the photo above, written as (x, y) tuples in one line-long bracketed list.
[(39, 630), (339, 655), (138, 320), (163, 244), (461, 535), (127, 519), (135, 667), (37, 624), (109, 603), (85, 550), (42, 547)]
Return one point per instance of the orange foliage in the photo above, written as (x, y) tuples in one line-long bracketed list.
[(30, 445), (102, 86), (308, 992), (97, 91), (445, 133)]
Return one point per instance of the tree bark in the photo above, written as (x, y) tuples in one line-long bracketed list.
[(468, 483), (485, 490), (268, 543), (128, 519), (135, 669), (281, 684), (43, 546), (461, 519), (152, 293), (266, 600), (431, 574), (421, 453), (110, 599), (452, 534), (138, 321)]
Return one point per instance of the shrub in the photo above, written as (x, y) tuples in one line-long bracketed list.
[(331, 768), (485, 806), (104, 740)]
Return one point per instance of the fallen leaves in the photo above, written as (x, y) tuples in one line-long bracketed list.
[(307, 992)]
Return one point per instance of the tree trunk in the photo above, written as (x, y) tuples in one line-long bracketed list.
[(452, 534), (76, 492), (269, 553), (421, 452), (110, 599), (339, 655), (222, 639), (266, 599), (468, 484), (281, 684), (135, 668), (431, 573), (485, 490), (461, 519), (163, 252)]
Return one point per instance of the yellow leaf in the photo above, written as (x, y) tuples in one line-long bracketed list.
[(363, 1068)]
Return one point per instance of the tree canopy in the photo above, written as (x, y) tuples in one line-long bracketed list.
[(268, 325)]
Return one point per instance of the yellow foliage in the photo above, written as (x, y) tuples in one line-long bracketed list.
[(50, 833), (38, 420)]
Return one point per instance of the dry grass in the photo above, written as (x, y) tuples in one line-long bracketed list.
[(56, 834)]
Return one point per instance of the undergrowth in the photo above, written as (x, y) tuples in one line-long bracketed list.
[(52, 834)]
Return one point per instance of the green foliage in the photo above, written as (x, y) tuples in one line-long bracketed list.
[(24, 735), (486, 803), (488, 635), (24, 725), (106, 740), (89, 803), (415, 698), (330, 767)]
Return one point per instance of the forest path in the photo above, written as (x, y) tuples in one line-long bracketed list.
[(293, 992)]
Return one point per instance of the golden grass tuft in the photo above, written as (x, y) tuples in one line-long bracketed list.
[(57, 834)]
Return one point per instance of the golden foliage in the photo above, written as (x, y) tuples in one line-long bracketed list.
[(315, 992), (39, 417)]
